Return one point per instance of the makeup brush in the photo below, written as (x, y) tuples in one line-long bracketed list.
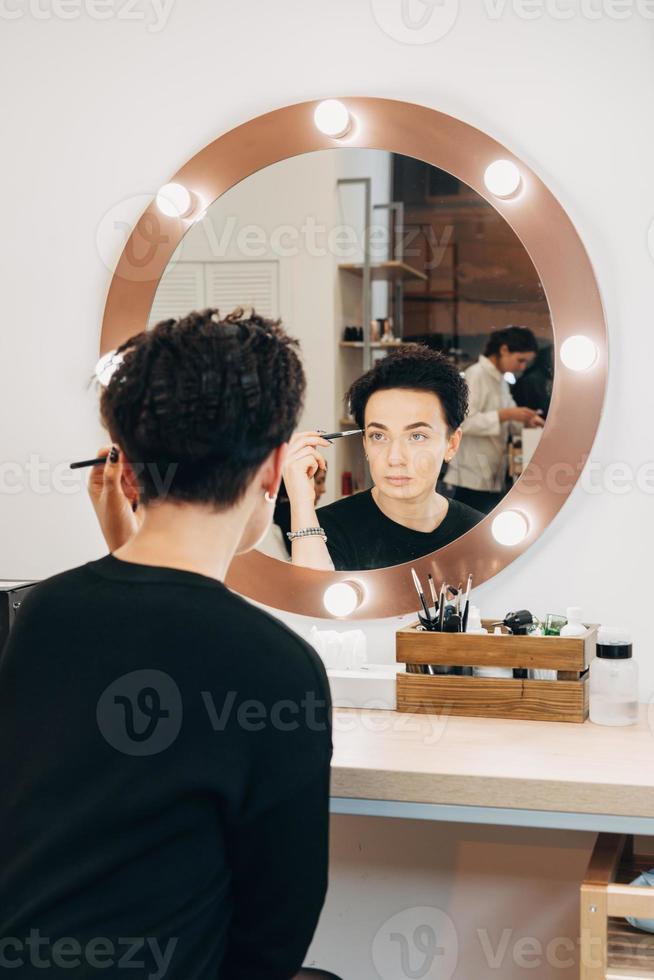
[(441, 607), (466, 605), (341, 435), (432, 592), (416, 582), (88, 462)]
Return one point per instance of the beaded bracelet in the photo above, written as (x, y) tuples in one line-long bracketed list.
[(306, 532)]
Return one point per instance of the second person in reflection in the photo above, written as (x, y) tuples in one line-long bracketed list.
[(410, 406), (477, 476)]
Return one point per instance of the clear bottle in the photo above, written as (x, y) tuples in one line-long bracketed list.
[(613, 697), (574, 626), (539, 673), (474, 626), (474, 621)]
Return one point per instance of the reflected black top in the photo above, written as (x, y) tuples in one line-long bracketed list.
[(360, 536), (164, 749)]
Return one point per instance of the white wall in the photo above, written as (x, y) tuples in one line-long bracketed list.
[(106, 111), (97, 113)]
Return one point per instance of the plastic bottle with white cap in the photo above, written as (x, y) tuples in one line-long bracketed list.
[(474, 621), (574, 626), (474, 626), (613, 679)]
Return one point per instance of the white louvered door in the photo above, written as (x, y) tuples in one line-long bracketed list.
[(243, 283), (187, 286), (181, 290)]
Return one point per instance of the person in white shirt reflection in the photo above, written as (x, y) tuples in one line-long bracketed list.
[(477, 474)]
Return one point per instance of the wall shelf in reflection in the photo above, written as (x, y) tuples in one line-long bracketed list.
[(390, 271)]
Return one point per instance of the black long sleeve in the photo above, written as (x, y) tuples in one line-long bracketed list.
[(281, 851), (165, 750)]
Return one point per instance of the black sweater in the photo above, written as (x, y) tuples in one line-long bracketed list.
[(361, 536), (164, 750)]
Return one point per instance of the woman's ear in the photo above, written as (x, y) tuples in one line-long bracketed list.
[(453, 444), (275, 465)]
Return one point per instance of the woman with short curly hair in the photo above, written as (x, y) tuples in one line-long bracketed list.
[(166, 744), (410, 407)]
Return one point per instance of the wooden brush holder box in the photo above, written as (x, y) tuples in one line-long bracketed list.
[(563, 699)]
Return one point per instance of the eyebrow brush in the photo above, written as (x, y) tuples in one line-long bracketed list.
[(432, 592), (88, 462), (341, 435), (466, 605), (441, 607), (421, 594)]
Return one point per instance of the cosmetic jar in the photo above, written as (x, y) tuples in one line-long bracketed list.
[(613, 694)]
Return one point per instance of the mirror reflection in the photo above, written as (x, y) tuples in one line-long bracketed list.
[(425, 336)]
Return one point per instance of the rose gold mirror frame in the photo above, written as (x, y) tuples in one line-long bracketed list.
[(560, 260)]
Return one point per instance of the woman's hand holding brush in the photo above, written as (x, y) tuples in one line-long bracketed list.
[(113, 490), (303, 461)]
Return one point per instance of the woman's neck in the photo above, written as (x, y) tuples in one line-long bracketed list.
[(185, 536), (424, 513)]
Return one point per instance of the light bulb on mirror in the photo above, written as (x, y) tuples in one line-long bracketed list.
[(175, 201), (579, 353), (510, 527), (332, 118), (341, 599), (106, 367), (502, 178)]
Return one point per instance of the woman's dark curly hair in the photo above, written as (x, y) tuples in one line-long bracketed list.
[(206, 398), (417, 367), (516, 339)]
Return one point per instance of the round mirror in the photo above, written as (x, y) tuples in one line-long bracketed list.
[(410, 295), (421, 265)]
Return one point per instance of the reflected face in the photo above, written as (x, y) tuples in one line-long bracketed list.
[(514, 361), (406, 438)]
